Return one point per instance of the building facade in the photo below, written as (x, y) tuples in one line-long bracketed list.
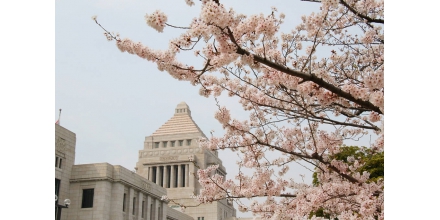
[(65, 142), (165, 160), (103, 191)]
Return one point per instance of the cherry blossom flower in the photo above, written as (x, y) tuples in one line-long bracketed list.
[(156, 20), (294, 85)]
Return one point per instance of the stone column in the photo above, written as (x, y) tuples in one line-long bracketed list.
[(191, 175), (157, 174), (152, 207), (132, 194), (164, 211), (150, 173), (156, 209), (140, 198), (165, 177), (147, 208), (186, 175), (172, 179), (161, 175), (179, 175)]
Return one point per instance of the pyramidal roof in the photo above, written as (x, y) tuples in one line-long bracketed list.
[(180, 123)]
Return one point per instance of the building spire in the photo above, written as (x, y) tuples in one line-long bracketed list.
[(59, 117), (182, 108)]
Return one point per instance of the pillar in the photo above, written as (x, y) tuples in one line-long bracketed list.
[(152, 208), (147, 208), (165, 177), (173, 176), (157, 206), (157, 174), (179, 175), (129, 204), (161, 175), (191, 175), (140, 198), (164, 211), (186, 175)]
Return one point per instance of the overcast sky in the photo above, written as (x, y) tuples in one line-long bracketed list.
[(112, 100)]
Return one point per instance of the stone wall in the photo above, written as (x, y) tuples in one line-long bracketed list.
[(111, 185), (65, 142)]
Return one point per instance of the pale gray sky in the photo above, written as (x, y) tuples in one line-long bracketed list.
[(112, 100)]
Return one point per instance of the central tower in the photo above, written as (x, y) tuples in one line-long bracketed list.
[(165, 161)]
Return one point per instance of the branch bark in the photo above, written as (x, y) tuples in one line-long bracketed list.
[(310, 77)]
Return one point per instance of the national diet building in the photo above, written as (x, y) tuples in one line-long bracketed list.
[(102, 191), (164, 160)]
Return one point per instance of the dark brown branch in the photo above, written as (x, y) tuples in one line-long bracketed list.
[(310, 77), (371, 20), (177, 26), (305, 76)]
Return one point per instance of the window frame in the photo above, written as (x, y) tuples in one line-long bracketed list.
[(143, 209), (88, 196), (123, 202), (57, 187), (134, 206)]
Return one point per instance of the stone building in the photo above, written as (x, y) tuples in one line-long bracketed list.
[(103, 191), (116, 193), (165, 161), (65, 142)]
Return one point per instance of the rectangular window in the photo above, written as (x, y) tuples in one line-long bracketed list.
[(180, 142), (164, 144), (156, 144), (168, 183), (200, 218), (173, 143), (154, 174), (87, 199), (123, 202), (134, 205), (57, 187), (175, 167), (188, 142), (59, 164), (160, 182), (182, 167), (56, 161), (143, 209)]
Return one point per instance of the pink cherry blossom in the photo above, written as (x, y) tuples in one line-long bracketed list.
[(156, 20), (328, 71)]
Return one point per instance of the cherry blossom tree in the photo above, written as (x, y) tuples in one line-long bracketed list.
[(307, 92)]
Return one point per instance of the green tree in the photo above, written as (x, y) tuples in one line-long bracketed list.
[(373, 163)]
